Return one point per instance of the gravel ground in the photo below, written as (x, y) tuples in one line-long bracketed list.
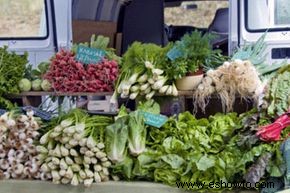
[(20, 18), (200, 17)]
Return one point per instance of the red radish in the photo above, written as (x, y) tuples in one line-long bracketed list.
[(67, 75)]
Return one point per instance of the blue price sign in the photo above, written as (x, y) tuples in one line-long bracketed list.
[(88, 55), (154, 120), (174, 53)]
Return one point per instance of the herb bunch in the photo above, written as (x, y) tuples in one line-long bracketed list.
[(194, 51)]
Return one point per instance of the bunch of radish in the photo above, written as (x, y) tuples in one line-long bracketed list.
[(104, 74), (18, 154), (146, 83), (68, 75), (73, 151)]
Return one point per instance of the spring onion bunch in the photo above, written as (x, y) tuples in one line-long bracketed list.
[(146, 83), (73, 150), (18, 155)]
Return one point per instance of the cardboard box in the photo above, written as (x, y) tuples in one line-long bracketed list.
[(102, 105), (84, 29)]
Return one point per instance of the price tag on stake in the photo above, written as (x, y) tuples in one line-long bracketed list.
[(154, 120), (88, 55)]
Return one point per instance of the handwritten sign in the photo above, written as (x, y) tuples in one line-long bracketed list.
[(174, 53), (154, 120), (88, 55)]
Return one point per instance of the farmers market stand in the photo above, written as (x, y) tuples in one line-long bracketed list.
[(26, 186)]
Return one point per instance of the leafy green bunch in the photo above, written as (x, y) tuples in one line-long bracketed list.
[(138, 53), (255, 53), (128, 132), (278, 94), (192, 52), (36, 73), (189, 149), (133, 61), (12, 67)]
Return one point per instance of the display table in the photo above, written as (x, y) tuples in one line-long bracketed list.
[(169, 105), (33, 98)]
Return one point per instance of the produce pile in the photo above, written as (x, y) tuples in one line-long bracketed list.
[(148, 69), (142, 73), (77, 148), (72, 150), (236, 78), (68, 75), (278, 92), (273, 131), (12, 67), (33, 79), (189, 149), (18, 154), (258, 128), (65, 73), (244, 75), (193, 52), (127, 136)]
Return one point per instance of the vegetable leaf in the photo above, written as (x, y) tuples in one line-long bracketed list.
[(149, 106), (173, 160), (12, 68), (205, 163), (116, 140), (137, 133)]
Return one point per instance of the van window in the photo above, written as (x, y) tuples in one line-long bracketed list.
[(272, 14), (196, 13), (23, 19)]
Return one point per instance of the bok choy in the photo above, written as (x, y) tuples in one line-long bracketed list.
[(137, 133), (116, 140)]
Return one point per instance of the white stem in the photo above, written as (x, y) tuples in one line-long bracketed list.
[(97, 177), (89, 154), (88, 182)]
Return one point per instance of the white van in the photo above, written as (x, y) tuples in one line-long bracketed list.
[(42, 27), (250, 19)]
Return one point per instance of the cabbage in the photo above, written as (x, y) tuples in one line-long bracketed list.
[(45, 85), (36, 85), (24, 85)]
